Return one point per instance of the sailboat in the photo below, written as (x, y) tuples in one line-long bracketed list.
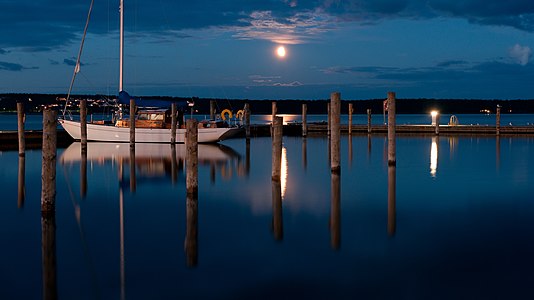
[(151, 125)]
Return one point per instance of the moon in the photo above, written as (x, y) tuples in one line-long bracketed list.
[(281, 51)]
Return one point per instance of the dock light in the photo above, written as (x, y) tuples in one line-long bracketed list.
[(434, 115)]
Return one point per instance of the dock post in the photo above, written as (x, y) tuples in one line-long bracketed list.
[(437, 124), (392, 160), (212, 109), (247, 120), (192, 156), (350, 118), (335, 112), (173, 122), (304, 119), (274, 111), (392, 210), (329, 117), (83, 124), (132, 123), (277, 147), (48, 172), (368, 120), (20, 121), (498, 120)]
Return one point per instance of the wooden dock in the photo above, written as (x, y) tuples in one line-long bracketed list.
[(9, 139)]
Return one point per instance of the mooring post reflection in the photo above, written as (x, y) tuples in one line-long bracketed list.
[(350, 150), (121, 232), (247, 157), (304, 153), (191, 233), (48, 253), (133, 179), (21, 181), (498, 152), (392, 209), (277, 222), (174, 166), (335, 211), (83, 172)]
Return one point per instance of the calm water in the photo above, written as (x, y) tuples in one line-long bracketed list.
[(460, 227), (35, 121)]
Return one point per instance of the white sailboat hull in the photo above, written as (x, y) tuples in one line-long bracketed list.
[(111, 133)]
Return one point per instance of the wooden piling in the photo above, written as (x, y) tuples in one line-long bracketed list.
[(498, 120), (20, 125), (173, 122), (436, 131), (247, 120), (350, 118), (369, 120), (329, 117), (304, 119), (392, 160), (274, 111), (192, 156), (48, 256), (335, 115), (392, 210), (335, 211), (277, 148), (132, 122), (48, 172), (212, 109), (83, 124)]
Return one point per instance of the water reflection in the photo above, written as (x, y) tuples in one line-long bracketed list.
[(304, 153), (48, 252), (21, 182), (434, 156), (392, 208), (191, 233), (277, 222), (283, 172), (335, 211), (149, 162)]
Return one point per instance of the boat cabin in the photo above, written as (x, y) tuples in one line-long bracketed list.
[(162, 118)]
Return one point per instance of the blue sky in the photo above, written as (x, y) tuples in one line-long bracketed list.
[(226, 49)]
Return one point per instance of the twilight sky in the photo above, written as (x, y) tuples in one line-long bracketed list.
[(226, 48)]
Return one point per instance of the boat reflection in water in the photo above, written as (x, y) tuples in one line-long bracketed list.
[(153, 161)]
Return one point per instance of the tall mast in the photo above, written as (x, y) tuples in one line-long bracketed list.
[(121, 56)]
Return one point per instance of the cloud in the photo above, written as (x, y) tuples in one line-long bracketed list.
[(295, 29), (521, 54), (50, 24), (6, 66), (291, 84)]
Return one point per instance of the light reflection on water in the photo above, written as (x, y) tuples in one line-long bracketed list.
[(374, 231)]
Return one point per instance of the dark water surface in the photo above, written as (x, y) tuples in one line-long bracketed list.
[(460, 227)]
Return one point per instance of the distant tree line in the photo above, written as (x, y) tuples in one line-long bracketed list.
[(35, 103)]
